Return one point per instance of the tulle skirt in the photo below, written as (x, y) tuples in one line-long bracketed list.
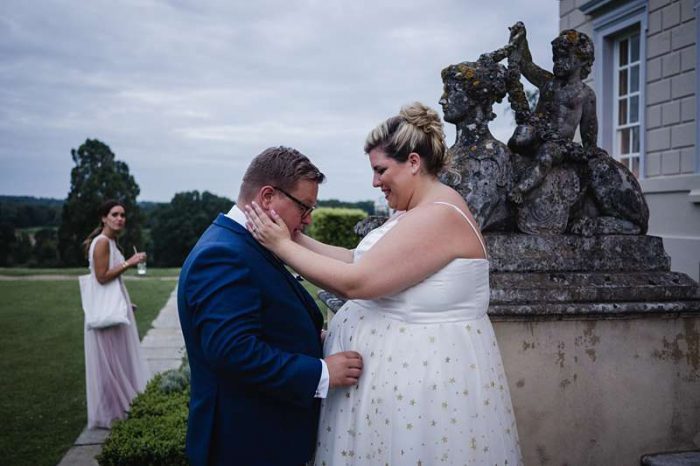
[(115, 372), (430, 393)]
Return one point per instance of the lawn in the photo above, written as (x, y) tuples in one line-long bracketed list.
[(42, 365)]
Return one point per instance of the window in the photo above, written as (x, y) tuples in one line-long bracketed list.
[(626, 101), (619, 78)]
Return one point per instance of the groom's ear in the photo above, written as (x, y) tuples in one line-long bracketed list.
[(265, 195)]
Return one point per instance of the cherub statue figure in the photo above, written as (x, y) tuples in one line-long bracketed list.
[(568, 186), (481, 165), (565, 103)]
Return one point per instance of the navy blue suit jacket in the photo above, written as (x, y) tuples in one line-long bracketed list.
[(253, 340)]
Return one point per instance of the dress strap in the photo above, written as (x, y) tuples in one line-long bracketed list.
[(476, 231)]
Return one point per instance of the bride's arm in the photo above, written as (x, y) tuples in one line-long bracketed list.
[(334, 252), (418, 246)]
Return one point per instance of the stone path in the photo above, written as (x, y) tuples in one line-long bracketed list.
[(163, 347)]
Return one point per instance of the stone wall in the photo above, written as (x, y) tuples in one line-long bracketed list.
[(603, 391), (570, 17), (670, 88)]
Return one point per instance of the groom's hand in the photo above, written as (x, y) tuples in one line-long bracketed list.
[(344, 368)]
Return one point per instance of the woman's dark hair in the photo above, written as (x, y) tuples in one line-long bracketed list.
[(102, 211)]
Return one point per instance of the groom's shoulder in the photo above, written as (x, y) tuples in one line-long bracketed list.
[(223, 236)]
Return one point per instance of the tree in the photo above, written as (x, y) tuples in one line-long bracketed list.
[(7, 241), (27, 212), (335, 225), (45, 251), (21, 250), (177, 226), (96, 177)]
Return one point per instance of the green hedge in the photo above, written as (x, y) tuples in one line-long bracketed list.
[(335, 226), (154, 432)]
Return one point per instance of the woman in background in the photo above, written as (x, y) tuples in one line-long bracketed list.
[(115, 370), (433, 389)]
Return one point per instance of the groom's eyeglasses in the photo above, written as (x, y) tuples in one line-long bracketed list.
[(304, 208)]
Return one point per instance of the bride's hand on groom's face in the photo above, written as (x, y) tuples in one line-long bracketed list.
[(269, 230)]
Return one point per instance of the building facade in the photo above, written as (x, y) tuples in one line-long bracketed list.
[(646, 85)]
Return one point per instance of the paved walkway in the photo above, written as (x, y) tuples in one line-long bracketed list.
[(163, 347)]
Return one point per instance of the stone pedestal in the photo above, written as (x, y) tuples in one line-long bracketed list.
[(601, 346), (564, 275)]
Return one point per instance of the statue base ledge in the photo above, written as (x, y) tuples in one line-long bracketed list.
[(571, 253), (598, 311), (571, 310), (587, 287)]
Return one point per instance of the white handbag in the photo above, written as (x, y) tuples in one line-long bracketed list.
[(103, 305)]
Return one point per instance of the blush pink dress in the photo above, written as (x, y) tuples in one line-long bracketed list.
[(115, 370)]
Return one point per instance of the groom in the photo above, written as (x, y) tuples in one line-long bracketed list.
[(253, 333)]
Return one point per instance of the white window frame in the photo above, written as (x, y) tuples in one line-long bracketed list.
[(607, 29), (628, 158)]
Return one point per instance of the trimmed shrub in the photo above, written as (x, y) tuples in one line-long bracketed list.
[(154, 432), (335, 226)]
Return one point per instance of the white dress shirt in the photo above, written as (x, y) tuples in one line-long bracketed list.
[(238, 216)]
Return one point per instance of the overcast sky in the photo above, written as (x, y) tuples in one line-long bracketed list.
[(187, 92)]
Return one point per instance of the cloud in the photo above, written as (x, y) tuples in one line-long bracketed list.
[(187, 92)]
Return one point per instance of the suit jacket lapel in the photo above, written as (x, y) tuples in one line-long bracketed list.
[(307, 299), (302, 294), (299, 290)]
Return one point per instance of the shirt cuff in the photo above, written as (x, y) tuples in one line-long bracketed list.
[(322, 390)]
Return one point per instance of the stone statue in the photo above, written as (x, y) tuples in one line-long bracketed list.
[(549, 187), (613, 202), (568, 187), (481, 165), (543, 182), (564, 104)]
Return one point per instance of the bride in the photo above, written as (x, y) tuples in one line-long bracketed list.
[(433, 389)]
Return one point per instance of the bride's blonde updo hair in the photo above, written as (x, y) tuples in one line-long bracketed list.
[(417, 128)]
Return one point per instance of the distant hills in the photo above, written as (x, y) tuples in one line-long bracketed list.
[(13, 202), (48, 201), (29, 227), (30, 200)]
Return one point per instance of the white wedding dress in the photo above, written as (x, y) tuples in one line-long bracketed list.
[(433, 388)]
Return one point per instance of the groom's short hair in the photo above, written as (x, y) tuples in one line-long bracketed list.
[(281, 167)]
